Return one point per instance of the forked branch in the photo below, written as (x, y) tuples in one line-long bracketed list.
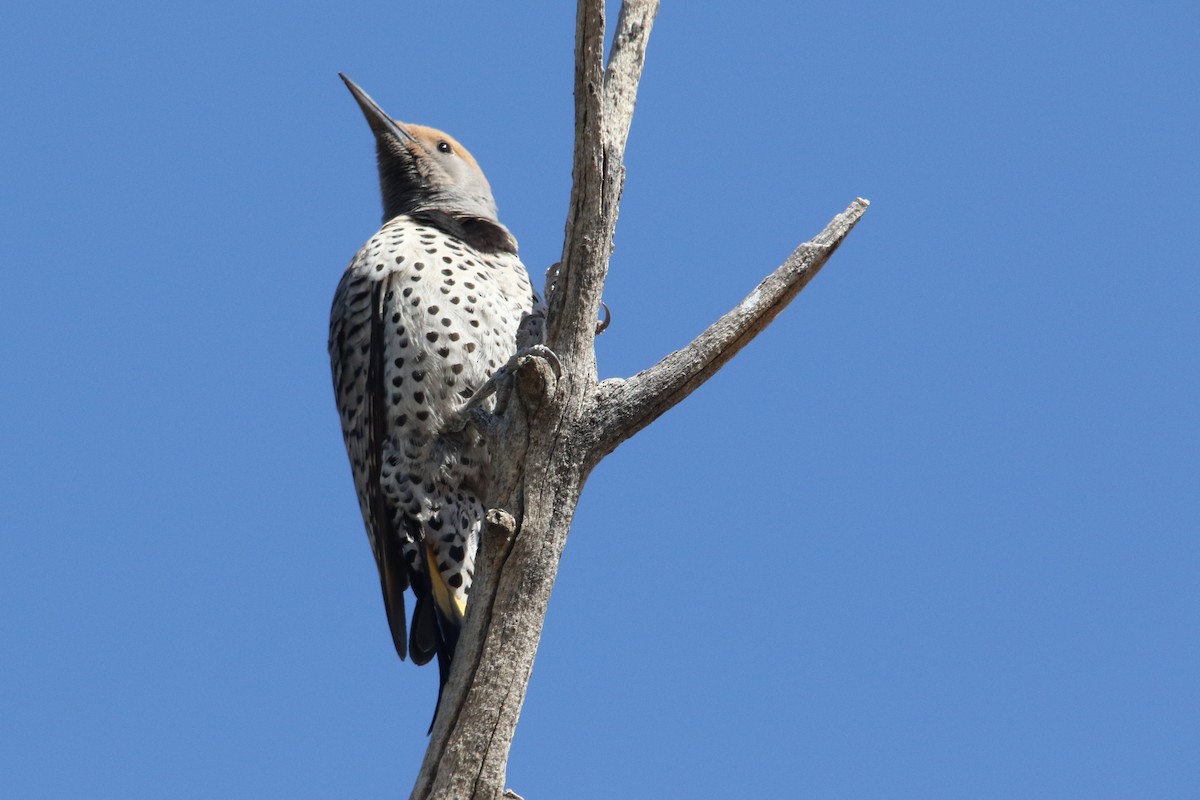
[(560, 422)]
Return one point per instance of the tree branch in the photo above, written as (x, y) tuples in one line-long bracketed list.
[(624, 72), (604, 103), (624, 407), (573, 286)]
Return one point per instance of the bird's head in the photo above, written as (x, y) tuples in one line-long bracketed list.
[(424, 170)]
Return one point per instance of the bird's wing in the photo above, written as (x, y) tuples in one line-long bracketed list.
[(356, 352)]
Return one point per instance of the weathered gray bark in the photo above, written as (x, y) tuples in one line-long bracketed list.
[(554, 421)]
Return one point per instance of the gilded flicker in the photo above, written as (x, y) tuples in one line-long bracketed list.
[(427, 310)]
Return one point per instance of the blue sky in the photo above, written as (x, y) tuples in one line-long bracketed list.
[(934, 534)]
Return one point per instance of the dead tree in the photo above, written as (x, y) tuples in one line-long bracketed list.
[(554, 420)]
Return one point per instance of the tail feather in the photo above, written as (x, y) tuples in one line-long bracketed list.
[(443, 678), (424, 638), (437, 622), (393, 577), (448, 629)]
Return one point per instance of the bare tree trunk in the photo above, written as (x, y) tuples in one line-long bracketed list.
[(555, 421)]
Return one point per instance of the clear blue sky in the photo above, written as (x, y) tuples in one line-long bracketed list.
[(935, 534)]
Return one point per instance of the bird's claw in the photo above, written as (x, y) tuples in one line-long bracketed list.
[(536, 351), (602, 325)]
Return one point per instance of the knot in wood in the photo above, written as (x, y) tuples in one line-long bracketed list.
[(500, 523)]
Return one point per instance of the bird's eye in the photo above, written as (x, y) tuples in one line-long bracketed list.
[(444, 147)]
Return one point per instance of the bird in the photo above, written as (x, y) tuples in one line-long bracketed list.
[(427, 311)]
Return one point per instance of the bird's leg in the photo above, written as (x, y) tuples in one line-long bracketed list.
[(473, 413)]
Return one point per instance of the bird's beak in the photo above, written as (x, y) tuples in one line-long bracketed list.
[(380, 122)]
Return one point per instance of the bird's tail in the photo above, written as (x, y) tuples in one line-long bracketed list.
[(449, 608)]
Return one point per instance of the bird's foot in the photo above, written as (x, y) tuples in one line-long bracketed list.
[(474, 414), (522, 360)]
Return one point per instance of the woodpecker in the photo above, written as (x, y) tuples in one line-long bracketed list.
[(425, 313)]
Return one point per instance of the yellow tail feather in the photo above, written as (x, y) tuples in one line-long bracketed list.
[(452, 605)]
